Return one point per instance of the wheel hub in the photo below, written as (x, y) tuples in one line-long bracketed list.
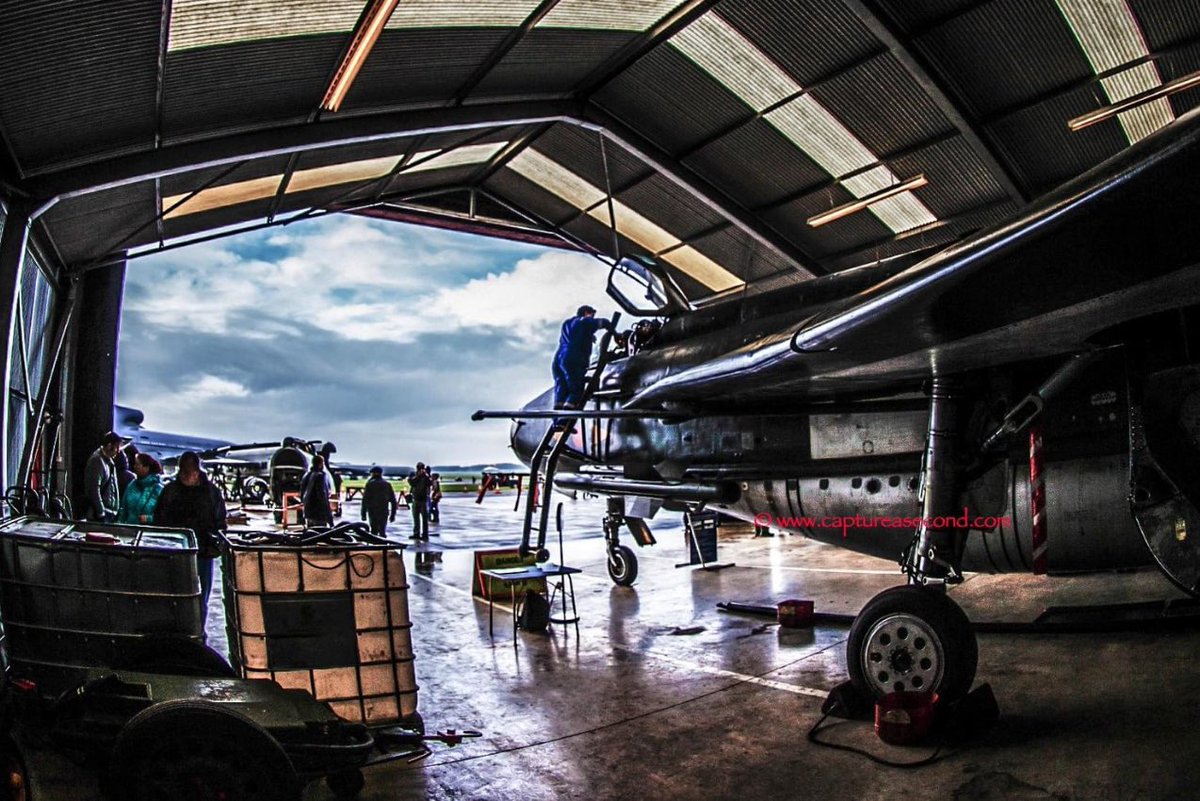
[(901, 652)]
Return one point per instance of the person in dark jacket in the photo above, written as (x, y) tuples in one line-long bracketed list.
[(378, 502), (315, 491), (418, 490), (100, 488), (141, 496), (573, 355), (124, 468), (192, 501)]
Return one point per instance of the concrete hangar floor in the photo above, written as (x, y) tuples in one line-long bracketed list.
[(663, 696)]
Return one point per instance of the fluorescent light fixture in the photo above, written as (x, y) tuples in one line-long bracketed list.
[(1109, 35), (734, 61), (575, 190), (1171, 87), (846, 209), (364, 39), (623, 15)]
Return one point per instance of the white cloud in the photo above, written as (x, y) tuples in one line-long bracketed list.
[(211, 386)]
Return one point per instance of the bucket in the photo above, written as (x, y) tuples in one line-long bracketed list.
[(795, 614), (905, 718)]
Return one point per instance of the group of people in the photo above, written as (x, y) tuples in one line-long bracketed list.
[(379, 501), (191, 501)]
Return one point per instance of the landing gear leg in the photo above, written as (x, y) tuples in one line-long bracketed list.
[(622, 563), (914, 637)]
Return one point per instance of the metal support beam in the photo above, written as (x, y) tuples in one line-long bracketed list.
[(14, 240), (916, 68), (63, 315), (109, 173), (702, 190), (505, 47)]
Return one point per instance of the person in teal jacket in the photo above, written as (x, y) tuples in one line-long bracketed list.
[(141, 496)]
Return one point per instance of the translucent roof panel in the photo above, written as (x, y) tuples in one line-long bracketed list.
[(624, 15), (558, 180), (470, 154), (900, 213), (461, 13), (206, 23), (718, 49), (700, 267), (334, 174), (217, 197), (1110, 37), (828, 142)]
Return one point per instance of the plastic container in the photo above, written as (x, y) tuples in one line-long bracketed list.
[(76, 595), (794, 614), (329, 619), (905, 718)]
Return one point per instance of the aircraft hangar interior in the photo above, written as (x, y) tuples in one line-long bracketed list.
[(904, 387)]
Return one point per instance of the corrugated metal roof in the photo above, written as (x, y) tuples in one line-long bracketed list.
[(1177, 65), (1167, 22), (245, 85), (1046, 151), (209, 23), (795, 34), (1003, 53), (461, 13), (916, 16), (551, 61), (79, 79), (665, 97), (667, 204), (958, 180), (411, 68), (578, 150), (629, 15), (86, 227), (525, 194), (756, 165), (882, 104), (839, 235)]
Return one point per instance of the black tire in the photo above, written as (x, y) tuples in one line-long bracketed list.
[(197, 751), (912, 638), (622, 566), (255, 490), (173, 654), (346, 783)]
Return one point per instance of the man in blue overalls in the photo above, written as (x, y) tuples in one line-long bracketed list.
[(574, 354)]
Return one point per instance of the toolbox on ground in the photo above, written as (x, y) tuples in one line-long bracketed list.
[(326, 613), (80, 595)]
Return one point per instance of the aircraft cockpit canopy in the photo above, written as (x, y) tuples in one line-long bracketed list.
[(642, 289)]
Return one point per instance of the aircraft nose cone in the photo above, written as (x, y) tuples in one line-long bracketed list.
[(526, 435)]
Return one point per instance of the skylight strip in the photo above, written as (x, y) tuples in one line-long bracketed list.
[(558, 180), (828, 142), (622, 15), (470, 154), (461, 13), (217, 197), (636, 227), (555, 178), (207, 23), (734, 61), (1110, 36), (703, 269), (334, 174)]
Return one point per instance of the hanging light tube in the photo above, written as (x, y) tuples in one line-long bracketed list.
[(866, 201), (1101, 114), (365, 35)]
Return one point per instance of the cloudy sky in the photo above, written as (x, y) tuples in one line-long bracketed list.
[(377, 336)]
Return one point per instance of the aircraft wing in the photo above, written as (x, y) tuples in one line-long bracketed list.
[(1115, 244)]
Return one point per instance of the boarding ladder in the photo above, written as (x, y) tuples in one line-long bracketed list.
[(545, 458)]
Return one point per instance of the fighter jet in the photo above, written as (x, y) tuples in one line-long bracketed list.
[(1027, 399)]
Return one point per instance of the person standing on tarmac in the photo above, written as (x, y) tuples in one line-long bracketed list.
[(315, 491), (418, 489), (192, 501), (378, 502), (573, 355), (100, 480)]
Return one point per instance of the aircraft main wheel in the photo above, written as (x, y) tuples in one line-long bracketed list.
[(622, 565), (912, 638), (196, 751), (255, 490)]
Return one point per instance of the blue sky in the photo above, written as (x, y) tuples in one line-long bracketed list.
[(377, 336)]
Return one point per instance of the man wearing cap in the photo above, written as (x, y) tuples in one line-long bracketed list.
[(100, 479), (574, 352), (378, 502)]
